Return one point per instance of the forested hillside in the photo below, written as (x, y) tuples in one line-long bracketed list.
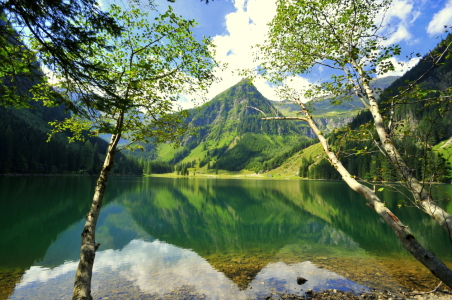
[(228, 134), (24, 148), (418, 126)]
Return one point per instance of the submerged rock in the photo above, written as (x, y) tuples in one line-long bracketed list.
[(301, 280)]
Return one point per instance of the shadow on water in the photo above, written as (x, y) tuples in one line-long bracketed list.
[(205, 237)]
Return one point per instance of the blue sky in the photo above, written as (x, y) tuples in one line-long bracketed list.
[(236, 25)]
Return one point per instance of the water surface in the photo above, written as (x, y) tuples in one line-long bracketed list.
[(205, 238)]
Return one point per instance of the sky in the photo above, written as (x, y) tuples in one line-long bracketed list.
[(236, 25)]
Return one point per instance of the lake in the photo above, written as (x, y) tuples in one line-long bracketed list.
[(195, 238)]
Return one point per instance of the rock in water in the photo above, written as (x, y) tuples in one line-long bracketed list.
[(301, 280)]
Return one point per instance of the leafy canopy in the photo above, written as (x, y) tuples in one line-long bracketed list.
[(340, 35), (64, 35), (150, 66)]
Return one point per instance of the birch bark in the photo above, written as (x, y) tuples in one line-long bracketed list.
[(82, 284), (420, 194), (409, 242)]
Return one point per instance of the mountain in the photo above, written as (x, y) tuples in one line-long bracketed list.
[(231, 136), (421, 125), (330, 116)]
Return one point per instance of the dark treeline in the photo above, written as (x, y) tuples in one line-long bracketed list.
[(156, 167), (418, 125), (24, 148), (277, 161), (182, 168)]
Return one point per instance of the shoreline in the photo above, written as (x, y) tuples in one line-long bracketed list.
[(208, 176), (334, 294)]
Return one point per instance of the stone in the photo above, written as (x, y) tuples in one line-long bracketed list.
[(301, 280)]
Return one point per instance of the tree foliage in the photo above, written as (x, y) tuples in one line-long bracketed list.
[(63, 35), (349, 38), (151, 66)]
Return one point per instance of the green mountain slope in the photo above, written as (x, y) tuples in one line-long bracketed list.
[(330, 116), (423, 127), (230, 135)]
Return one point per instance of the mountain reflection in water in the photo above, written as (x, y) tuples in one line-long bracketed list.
[(205, 238), (159, 269)]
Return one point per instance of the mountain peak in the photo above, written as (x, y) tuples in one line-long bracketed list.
[(245, 85), (245, 80)]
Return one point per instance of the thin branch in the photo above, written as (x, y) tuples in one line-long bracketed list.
[(255, 108), (125, 146), (285, 118), (412, 84)]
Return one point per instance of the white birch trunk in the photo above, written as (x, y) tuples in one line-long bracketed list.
[(409, 242), (420, 194), (82, 284)]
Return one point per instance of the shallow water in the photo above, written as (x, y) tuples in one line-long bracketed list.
[(205, 239)]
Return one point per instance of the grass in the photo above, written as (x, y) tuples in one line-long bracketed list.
[(445, 151), (291, 166), (167, 151), (288, 170)]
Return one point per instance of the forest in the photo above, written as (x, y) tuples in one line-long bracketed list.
[(91, 92)]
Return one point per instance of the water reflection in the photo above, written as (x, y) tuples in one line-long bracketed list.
[(204, 237), (158, 269)]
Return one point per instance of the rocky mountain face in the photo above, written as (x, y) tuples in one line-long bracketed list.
[(230, 134), (238, 109)]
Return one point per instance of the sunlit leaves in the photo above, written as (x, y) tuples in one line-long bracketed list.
[(340, 35), (76, 128), (150, 66)]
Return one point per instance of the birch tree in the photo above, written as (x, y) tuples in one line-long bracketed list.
[(346, 37), (149, 68)]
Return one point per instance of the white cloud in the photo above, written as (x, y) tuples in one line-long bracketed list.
[(401, 34), (400, 67), (52, 78), (246, 27), (400, 9), (398, 20), (440, 19)]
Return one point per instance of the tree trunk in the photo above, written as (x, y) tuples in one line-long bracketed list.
[(409, 242), (420, 194), (82, 284)]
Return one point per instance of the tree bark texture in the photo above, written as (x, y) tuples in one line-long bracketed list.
[(82, 284), (420, 194), (409, 242)]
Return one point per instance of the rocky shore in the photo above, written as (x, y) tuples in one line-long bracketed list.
[(375, 295)]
